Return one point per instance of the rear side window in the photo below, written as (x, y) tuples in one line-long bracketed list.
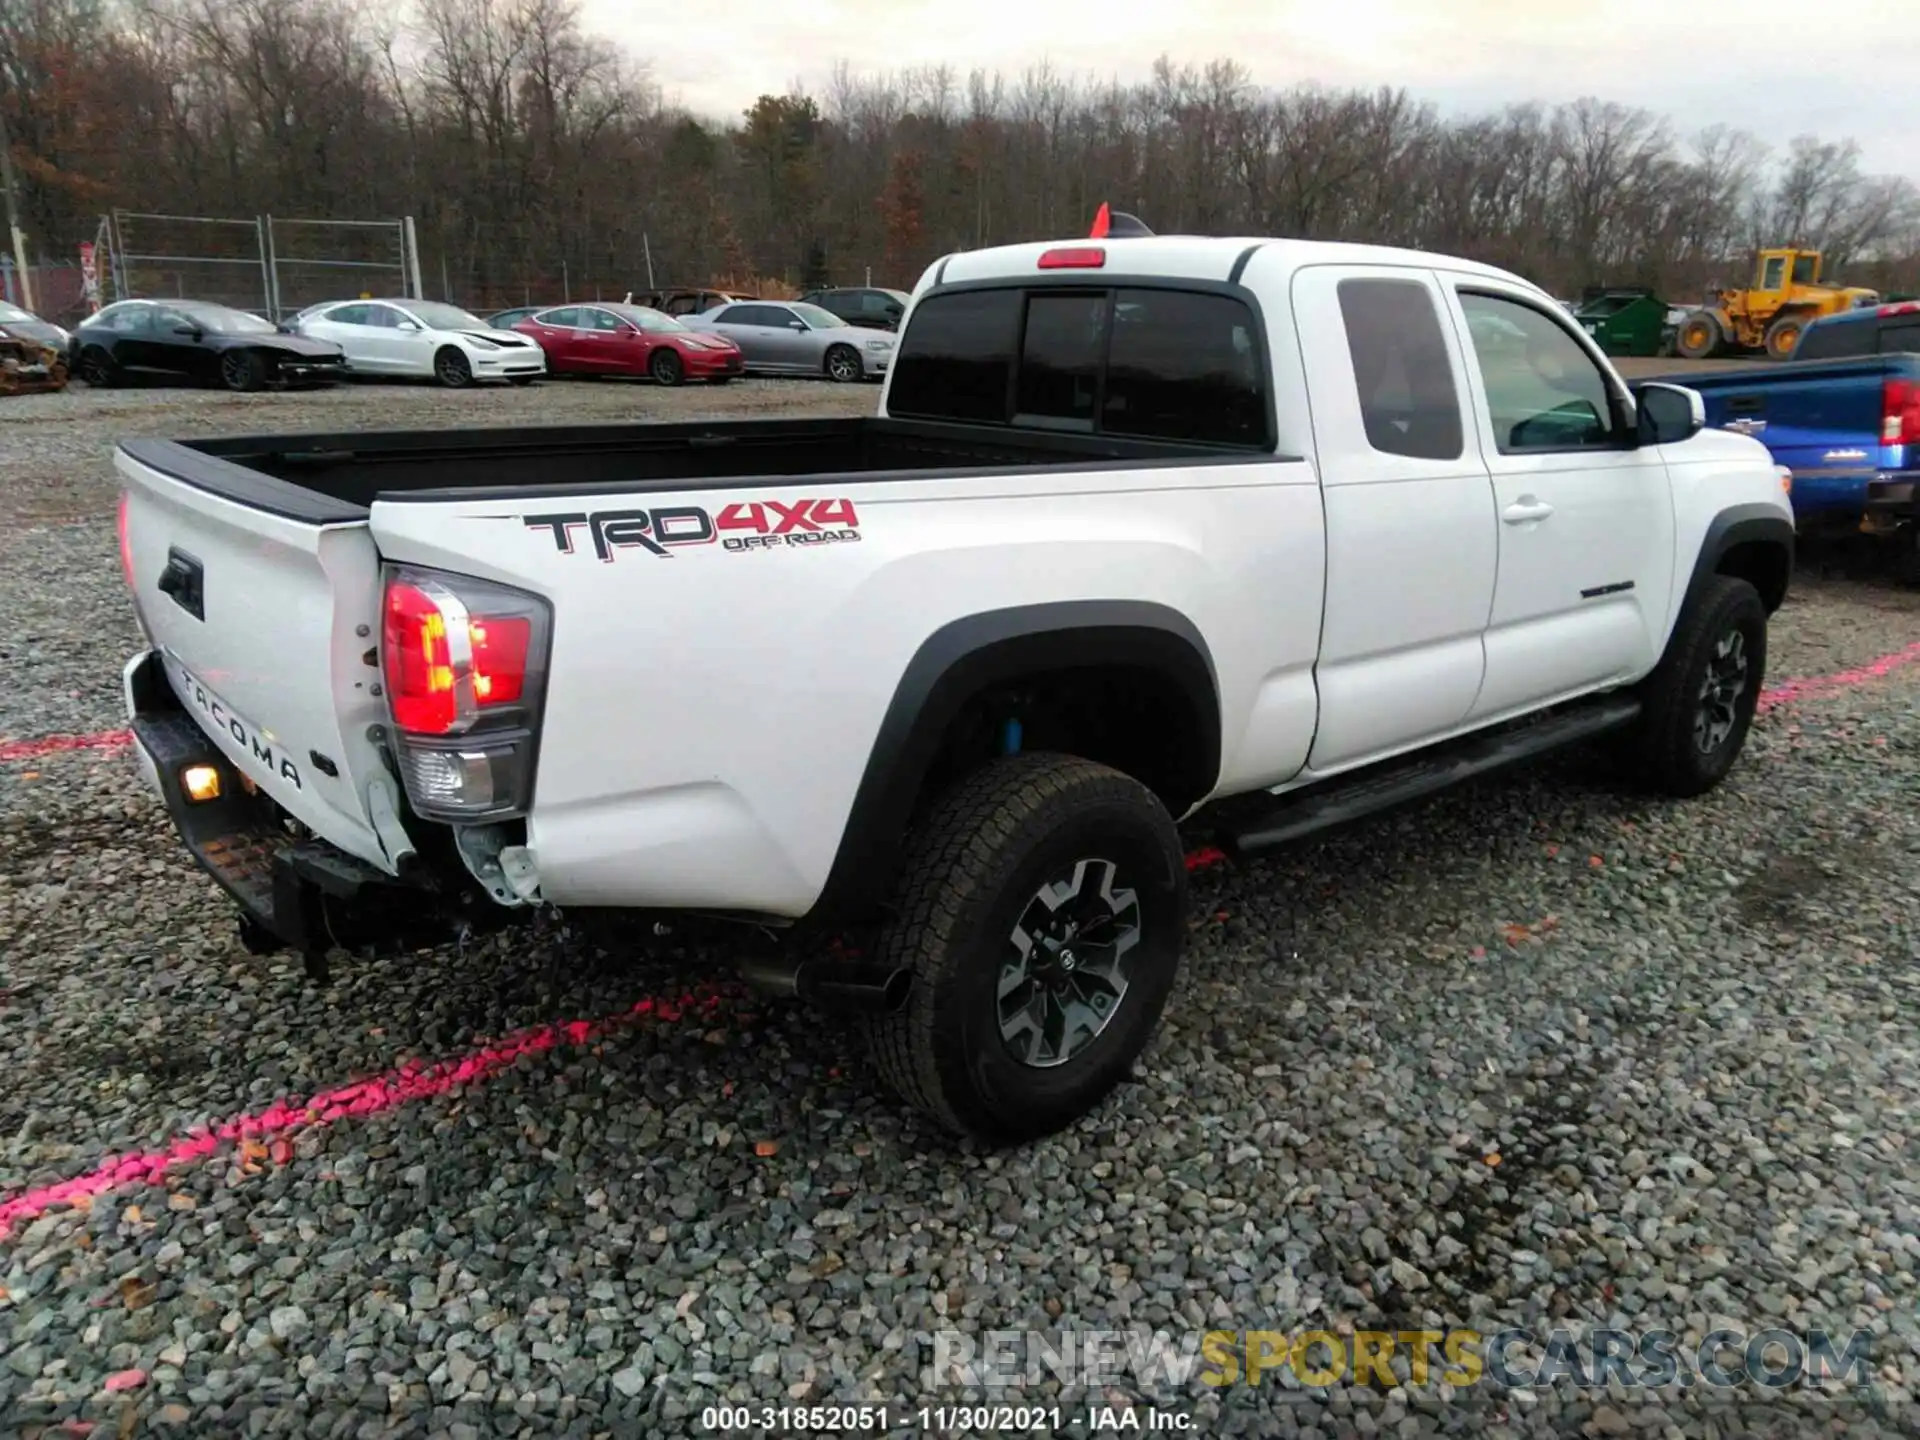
[(1150, 363), (1896, 339), (1836, 342), (956, 361), (1408, 400)]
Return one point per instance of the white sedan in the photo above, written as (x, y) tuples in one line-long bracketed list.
[(423, 338)]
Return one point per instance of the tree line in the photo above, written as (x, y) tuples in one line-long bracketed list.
[(537, 155)]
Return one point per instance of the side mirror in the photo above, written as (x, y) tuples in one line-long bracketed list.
[(797, 325), (191, 330), (1668, 414), (408, 326)]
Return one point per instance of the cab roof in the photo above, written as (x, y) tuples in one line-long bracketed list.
[(1193, 257)]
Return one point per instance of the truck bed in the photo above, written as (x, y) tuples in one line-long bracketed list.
[(1822, 419), (324, 479)]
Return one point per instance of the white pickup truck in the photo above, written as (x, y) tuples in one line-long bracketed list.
[(1259, 535)]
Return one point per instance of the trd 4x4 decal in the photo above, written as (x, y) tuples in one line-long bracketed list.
[(751, 525)]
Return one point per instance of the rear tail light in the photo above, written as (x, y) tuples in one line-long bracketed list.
[(1899, 412), (465, 663)]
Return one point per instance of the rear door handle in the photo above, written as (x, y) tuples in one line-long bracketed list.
[(1524, 509)]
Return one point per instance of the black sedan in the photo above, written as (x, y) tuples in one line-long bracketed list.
[(25, 325), (198, 341)]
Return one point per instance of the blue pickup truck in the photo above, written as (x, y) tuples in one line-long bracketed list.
[(1843, 415)]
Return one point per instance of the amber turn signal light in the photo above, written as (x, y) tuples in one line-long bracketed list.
[(201, 782)]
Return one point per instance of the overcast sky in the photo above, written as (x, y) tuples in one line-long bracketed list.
[(1847, 70)]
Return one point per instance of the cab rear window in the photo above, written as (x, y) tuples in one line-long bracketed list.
[(1146, 362), (1837, 341)]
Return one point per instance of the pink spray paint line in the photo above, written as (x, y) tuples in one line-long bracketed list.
[(404, 1085), (61, 744), (1785, 693), (1788, 691)]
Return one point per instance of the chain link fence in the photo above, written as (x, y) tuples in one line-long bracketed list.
[(271, 266)]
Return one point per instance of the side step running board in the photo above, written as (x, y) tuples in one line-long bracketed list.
[(1340, 801)]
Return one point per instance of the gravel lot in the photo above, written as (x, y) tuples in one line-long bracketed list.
[(1538, 1053)]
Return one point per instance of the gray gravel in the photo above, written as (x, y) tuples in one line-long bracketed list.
[(1687, 1034)]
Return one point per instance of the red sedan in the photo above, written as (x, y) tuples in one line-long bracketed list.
[(609, 339)]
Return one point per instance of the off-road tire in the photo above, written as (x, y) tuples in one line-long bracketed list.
[(243, 371), (1662, 748), (452, 369), (974, 865), (1700, 336), (666, 368)]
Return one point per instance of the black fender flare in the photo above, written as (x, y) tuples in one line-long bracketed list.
[(960, 659), (1738, 525)]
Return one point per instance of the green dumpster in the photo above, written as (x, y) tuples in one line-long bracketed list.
[(1625, 322)]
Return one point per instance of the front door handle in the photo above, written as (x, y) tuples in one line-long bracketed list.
[(1524, 509)]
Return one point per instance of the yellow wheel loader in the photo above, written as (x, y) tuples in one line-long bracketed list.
[(1786, 296)]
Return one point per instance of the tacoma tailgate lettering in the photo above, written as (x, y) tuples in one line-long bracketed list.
[(244, 734)]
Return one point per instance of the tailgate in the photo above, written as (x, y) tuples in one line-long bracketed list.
[(265, 622)]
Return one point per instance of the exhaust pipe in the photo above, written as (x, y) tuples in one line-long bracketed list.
[(831, 984)]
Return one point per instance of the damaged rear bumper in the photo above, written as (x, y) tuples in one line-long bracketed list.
[(295, 891)]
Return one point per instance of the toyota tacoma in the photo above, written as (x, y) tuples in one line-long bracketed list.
[(1254, 537)]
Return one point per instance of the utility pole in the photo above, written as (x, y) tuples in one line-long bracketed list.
[(13, 215)]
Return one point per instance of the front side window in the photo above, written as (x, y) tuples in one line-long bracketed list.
[(565, 318), (1544, 391), (1773, 273), (1408, 402), (126, 319), (1805, 268)]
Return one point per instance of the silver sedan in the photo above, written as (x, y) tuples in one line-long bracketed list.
[(777, 337)]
